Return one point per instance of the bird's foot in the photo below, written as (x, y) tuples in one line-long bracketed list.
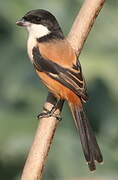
[(52, 112), (49, 114)]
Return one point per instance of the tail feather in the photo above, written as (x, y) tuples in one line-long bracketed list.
[(90, 147)]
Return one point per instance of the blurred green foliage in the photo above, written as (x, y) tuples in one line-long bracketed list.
[(22, 95)]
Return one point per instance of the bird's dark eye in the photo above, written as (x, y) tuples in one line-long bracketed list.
[(38, 18)]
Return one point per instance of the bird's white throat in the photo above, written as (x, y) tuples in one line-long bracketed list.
[(35, 31)]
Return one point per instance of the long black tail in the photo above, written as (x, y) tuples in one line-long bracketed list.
[(90, 147)]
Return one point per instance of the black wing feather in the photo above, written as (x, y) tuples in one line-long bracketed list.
[(70, 78)]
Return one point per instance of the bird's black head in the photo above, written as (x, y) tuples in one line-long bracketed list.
[(41, 23)]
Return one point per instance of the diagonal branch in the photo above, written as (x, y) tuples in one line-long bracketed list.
[(83, 23), (47, 126)]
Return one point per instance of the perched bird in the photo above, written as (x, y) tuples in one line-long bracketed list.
[(59, 69)]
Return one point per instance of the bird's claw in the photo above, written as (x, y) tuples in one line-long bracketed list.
[(49, 114)]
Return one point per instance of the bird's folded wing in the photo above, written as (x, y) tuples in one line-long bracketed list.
[(70, 78)]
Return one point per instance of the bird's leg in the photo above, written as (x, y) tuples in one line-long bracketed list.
[(52, 111)]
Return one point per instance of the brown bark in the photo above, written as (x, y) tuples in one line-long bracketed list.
[(47, 126)]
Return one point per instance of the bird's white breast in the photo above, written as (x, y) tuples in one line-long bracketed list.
[(35, 31), (31, 43)]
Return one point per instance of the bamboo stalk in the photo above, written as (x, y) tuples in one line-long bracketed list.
[(46, 128)]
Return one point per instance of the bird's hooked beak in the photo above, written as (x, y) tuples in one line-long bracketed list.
[(22, 22)]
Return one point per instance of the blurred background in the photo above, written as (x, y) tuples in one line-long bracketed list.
[(22, 95)]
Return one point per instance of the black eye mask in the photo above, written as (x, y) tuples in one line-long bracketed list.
[(32, 19)]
